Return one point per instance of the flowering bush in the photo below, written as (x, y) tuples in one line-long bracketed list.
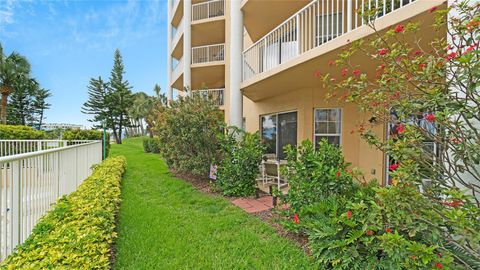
[(428, 97), (238, 167)]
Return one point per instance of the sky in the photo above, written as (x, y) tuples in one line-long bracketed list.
[(69, 42)]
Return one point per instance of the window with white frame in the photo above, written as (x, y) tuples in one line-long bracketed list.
[(328, 125), (278, 130)]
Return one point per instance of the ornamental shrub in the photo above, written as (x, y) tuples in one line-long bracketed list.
[(189, 133), (10, 132), (83, 134), (79, 230), (238, 168), (151, 145), (314, 174)]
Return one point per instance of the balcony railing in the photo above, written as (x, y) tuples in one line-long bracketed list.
[(15, 147), (178, 69), (215, 95), (33, 180), (208, 10), (317, 23), (209, 53)]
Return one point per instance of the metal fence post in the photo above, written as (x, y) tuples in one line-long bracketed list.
[(16, 205)]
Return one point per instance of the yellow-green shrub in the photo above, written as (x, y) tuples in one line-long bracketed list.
[(78, 232), (9, 132)]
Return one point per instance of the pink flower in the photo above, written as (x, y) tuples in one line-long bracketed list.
[(417, 53), (317, 73), (349, 214), (382, 51), (344, 72), (331, 62), (356, 72), (399, 28), (430, 117), (432, 9), (394, 166), (296, 219)]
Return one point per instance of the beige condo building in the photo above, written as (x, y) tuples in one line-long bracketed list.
[(257, 59)]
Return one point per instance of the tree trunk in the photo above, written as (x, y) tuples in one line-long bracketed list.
[(120, 129), (3, 111)]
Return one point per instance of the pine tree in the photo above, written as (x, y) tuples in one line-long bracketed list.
[(40, 104), (20, 107), (120, 96)]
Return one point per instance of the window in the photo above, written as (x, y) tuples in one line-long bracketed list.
[(329, 26), (279, 130), (328, 125)]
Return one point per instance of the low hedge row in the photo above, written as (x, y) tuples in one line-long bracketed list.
[(10, 132), (78, 232)]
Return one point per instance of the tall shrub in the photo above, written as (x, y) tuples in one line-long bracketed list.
[(314, 174), (238, 168), (8, 132), (188, 133)]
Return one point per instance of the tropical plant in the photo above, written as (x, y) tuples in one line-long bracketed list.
[(238, 167), (14, 68), (189, 132), (428, 96)]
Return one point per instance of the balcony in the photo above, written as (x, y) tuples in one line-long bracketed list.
[(177, 71), (177, 12), (215, 95), (177, 41), (318, 23), (208, 54), (208, 10)]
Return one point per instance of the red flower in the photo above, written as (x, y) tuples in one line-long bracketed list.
[(382, 66), (344, 72), (338, 174), (399, 28), (438, 265), (451, 55), (414, 257), (388, 230), (382, 51), (421, 66), (432, 9), (456, 204), (349, 214), (393, 166), (331, 62), (440, 255), (317, 73), (296, 219), (430, 117), (400, 129), (356, 72), (417, 53), (369, 232)]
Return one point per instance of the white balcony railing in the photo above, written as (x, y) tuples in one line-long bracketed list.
[(209, 53), (177, 70), (32, 181), (317, 23), (15, 147), (215, 95), (208, 10)]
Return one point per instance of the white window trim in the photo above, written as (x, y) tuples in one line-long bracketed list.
[(326, 134)]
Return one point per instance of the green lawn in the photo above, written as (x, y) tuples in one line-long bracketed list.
[(165, 223)]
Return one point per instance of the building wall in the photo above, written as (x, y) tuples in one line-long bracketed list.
[(304, 101)]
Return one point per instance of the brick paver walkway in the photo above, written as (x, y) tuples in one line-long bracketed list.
[(251, 205)]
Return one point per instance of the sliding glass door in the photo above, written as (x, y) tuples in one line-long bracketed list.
[(279, 130)]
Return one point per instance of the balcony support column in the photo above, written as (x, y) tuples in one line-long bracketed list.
[(349, 15), (169, 53), (236, 49), (187, 44)]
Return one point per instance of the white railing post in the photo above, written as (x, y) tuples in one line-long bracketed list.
[(297, 25), (15, 204), (349, 15)]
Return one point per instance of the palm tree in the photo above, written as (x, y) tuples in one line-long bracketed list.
[(13, 68)]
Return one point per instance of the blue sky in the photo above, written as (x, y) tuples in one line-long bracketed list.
[(68, 42)]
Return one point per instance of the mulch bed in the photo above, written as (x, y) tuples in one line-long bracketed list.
[(271, 217)]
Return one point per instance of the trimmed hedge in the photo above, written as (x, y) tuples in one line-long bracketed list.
[(83, 134), (80, 229), (10, 132), (151, 145)]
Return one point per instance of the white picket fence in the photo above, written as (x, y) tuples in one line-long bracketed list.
[(31, 181), (15, 147)]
